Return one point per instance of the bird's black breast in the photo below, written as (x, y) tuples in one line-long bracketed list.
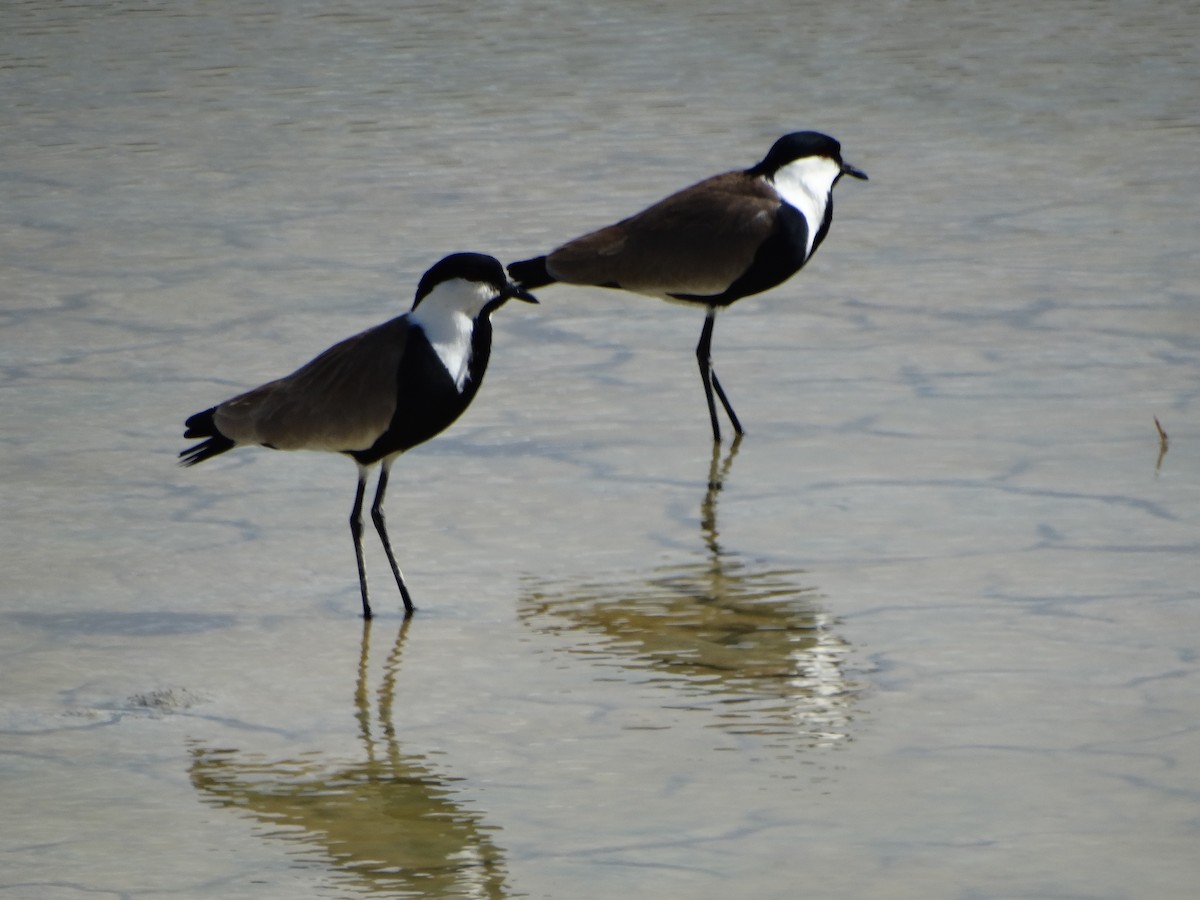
[(777, 259), (427, 399)]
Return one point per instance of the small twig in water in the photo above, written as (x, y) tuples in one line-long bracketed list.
[(1163, 443)]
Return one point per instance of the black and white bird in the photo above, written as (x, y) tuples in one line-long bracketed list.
[(724, 238), (375, 395)]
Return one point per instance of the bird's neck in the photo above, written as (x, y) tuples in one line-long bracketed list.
[(449, 334), (448, 316), (807, 184)]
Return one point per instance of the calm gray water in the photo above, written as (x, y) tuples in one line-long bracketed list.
[(930, 630)]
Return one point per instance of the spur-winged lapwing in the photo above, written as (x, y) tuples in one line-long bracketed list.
[(376, 394), (715, 242)]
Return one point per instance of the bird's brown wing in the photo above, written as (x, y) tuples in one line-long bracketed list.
[(697, 241), (341, 400)]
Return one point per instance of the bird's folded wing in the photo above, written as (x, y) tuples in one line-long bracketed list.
[(341, 400), (698, 241)]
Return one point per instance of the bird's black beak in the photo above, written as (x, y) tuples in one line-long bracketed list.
[(853, 171), (521, 294)]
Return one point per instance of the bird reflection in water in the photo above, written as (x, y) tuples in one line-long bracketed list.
[(390, 823), (746, 643)]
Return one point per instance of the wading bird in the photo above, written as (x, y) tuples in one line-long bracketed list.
[(727, 237), (375, 395)]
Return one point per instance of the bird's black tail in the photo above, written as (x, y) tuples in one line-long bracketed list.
[(531, 273), (201, 425)]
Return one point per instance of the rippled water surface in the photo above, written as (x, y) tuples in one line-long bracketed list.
[(929, 630)]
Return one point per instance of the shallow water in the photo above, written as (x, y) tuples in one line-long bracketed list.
[(928, 631)]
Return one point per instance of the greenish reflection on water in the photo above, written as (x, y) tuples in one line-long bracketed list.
[(749, 644), (389, 822)]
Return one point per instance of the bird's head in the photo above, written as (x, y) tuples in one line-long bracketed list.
[(470, 283), (814, 156)]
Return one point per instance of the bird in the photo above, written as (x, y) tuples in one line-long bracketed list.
[(722, 239), (374, 395)]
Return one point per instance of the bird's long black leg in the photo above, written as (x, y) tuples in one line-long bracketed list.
[(356, 533), (733, 419), (709, 377), (381, 527), (704, 358)]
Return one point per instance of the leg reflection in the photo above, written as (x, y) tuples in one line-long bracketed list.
[(746, 642), (391, 822)]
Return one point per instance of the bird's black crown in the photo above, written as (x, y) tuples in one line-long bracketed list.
[(798, 145), (468, 266)]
